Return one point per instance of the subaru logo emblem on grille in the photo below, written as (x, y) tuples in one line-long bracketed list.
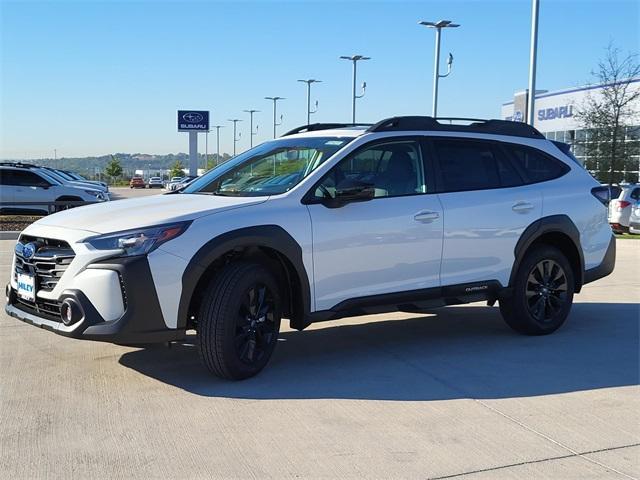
[(28, 250)]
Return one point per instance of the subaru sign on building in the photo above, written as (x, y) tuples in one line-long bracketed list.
[(556, 116), (193, 121), (555, 111)]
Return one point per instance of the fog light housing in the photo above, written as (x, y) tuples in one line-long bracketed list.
[(70, 312)]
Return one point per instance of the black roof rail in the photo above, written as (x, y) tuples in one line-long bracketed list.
[(496, 127), (324, 126), (18, 164)]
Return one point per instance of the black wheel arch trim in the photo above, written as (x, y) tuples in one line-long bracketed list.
[(551, 224), (273, 237)]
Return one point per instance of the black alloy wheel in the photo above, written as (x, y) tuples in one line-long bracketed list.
[(256, 330), (546, 290)]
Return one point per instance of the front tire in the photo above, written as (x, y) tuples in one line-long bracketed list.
[(542, 293), (239, 321)]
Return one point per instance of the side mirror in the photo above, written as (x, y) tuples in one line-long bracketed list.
[(350, 191)]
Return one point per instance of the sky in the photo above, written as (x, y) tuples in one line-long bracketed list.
[(99, 77)]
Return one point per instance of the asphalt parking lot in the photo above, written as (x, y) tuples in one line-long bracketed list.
[(120, 193), (450, 394)]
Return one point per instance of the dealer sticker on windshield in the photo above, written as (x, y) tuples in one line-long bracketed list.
[(26, 287)]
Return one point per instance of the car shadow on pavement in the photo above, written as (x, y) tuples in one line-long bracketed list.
[(457, 352)]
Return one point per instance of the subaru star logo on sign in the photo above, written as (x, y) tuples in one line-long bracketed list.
[(193, 120)]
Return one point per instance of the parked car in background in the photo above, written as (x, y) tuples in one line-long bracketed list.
[(184, 181), (634, 218), (155, 182), (65, 179), (614, 190), (137, 182), (171, 184), (79, 177), (620, 208), (20, 184)]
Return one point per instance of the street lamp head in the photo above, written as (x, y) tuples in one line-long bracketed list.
[(251, 111), (275, 99), (355, 58), (439, 24), (311, 80)]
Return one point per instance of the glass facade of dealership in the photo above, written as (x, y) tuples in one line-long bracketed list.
[(555, 118)]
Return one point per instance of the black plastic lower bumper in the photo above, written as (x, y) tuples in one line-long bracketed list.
[(142, 321), (607, 265)]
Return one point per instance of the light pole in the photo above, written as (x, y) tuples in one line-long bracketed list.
[(235, 139), (275, 117), (251, 132), (355, 59), (206, 149), (531, 100), (436, 68), (218, 127), (309, 111)]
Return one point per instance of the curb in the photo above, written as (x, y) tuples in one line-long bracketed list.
[(9, 235)]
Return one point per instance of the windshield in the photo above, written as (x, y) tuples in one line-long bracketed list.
[(269, 169)]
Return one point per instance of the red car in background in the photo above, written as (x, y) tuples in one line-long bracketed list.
[(137, 182)]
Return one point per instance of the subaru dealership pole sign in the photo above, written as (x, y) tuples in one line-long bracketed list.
[(193, 121)]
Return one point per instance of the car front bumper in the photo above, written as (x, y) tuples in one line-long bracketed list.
[(141, 322)]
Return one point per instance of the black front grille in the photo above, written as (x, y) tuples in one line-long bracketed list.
[(51, 259)]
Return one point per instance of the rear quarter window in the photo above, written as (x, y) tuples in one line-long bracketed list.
[(535, 165)]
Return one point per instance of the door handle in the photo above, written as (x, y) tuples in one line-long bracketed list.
[(426, 216), (522, 207)]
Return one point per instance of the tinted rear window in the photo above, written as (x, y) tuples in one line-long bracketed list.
[(473, 165), (537, 166)]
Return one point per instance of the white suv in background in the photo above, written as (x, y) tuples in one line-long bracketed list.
[(24, 186), (325, 222), (621, 207)]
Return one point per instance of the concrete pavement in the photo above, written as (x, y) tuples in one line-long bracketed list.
[(447, 395)]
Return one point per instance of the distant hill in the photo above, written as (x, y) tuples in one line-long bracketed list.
[(91, 166)]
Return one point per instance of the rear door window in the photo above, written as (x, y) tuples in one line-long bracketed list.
[(23, 178), (473, 165)]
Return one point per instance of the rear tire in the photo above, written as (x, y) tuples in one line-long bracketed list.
[(239, 321), (542, 293)]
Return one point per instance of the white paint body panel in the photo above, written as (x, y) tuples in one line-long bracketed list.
[(102, 288), (481, 231), (375, 247)]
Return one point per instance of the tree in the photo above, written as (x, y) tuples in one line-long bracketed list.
[(605, 115), (177, 169), (113, 168)]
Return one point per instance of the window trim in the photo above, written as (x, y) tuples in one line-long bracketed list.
[(309, 197), (496, 146)]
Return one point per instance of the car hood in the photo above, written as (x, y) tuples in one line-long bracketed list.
[(87, 185), (143, 212)]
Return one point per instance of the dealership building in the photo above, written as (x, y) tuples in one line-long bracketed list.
[(555, 117)]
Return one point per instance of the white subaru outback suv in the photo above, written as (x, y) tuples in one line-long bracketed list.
[(325, 222)]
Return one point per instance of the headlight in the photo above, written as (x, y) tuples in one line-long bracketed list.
[(140, 241), (96, 193)]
